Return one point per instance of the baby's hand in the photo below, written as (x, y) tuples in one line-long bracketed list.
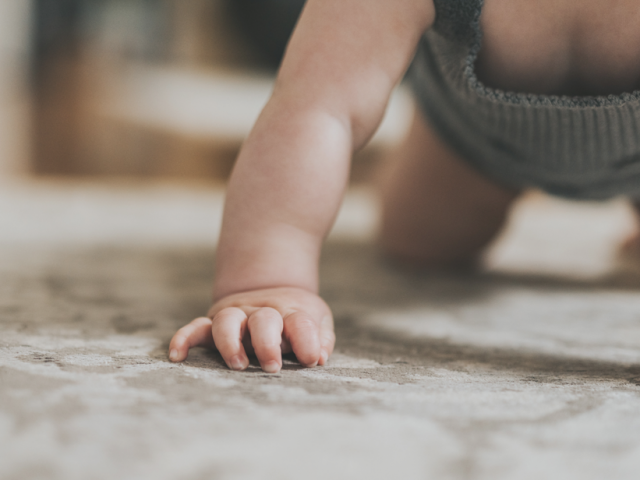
[(266, 323)]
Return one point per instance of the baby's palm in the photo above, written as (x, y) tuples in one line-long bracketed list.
[(266, 323)]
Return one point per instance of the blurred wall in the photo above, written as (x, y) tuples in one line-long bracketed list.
[(14, 64), (84, 53), (150, 88)]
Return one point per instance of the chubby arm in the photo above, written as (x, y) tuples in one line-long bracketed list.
[(343, 61)]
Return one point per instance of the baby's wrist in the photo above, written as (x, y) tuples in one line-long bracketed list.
[(232, 279), (221, 292)]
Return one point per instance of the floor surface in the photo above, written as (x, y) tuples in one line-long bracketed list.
[(528, 369)]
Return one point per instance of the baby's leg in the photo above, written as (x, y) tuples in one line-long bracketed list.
[(437, 210), (630, 247)]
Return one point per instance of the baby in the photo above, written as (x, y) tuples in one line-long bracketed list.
[(513, 94)]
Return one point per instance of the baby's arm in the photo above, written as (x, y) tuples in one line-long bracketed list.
[(342, 63)]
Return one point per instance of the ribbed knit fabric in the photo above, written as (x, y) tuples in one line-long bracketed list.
[(577, 147)]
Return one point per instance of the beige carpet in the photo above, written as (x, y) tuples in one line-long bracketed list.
[(529, 369)]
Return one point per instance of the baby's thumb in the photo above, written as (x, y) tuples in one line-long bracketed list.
[(327, 339), (303, 335)]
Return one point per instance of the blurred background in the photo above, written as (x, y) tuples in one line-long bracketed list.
[(144, 88)]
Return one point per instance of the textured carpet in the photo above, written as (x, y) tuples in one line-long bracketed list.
[(527, 369)]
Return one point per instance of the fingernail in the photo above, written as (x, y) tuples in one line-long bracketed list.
[(323, 357), (271, 367), (237, 363), (173, 355)]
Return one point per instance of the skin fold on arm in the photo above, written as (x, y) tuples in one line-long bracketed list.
[(343, 61)]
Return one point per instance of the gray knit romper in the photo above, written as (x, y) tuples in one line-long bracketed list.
[(576, 147)]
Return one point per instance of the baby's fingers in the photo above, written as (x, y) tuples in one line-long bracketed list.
[(229, 327), (327, 339), (265, 326), (303, 334), (196, 333)]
